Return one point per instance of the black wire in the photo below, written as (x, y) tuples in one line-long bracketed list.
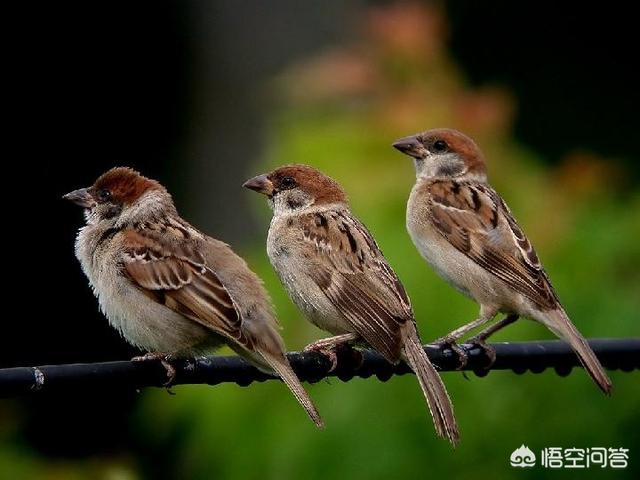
[(520, 357)]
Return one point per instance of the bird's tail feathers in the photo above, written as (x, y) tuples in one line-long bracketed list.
[(558, 322), (280, 364), (433, 388)]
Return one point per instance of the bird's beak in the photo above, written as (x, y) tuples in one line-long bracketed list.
[(411, 146), (260, 184), (80, 197)]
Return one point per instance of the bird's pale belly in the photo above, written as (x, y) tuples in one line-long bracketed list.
[(462, 273), (150, 325), (305, 293), (448, 263)]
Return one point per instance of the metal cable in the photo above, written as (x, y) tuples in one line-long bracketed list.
[(520, 357)]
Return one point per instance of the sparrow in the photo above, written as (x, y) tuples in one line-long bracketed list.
[(168, 288), (336, 274), (466, 232)]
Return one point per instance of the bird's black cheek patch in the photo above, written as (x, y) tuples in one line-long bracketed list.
[(294, 203), (110, 210), (451, 169)]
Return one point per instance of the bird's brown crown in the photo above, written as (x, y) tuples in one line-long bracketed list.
[(443, 140), (124, 184), (322, 188)]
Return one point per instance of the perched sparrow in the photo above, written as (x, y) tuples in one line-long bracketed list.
[(336, 274), (168, 288), (466, 232)]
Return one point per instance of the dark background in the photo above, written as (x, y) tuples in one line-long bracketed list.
[(165, 87)]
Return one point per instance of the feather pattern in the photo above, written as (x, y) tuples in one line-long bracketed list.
[(351, 263), (165, 260), (478, 223), (159, 261)]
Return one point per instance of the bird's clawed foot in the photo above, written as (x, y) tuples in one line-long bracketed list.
[(164, 361), (330, 346), (451, 342), (328, 351), (489, 352)]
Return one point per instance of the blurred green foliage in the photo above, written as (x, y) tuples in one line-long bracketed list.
[(340, 112)]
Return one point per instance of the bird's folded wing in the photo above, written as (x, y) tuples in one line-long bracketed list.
[(477, 222), (353, 274), (170, 269)]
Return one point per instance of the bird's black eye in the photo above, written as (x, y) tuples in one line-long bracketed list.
[(440, 146), (287, 183), (103, 195)]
